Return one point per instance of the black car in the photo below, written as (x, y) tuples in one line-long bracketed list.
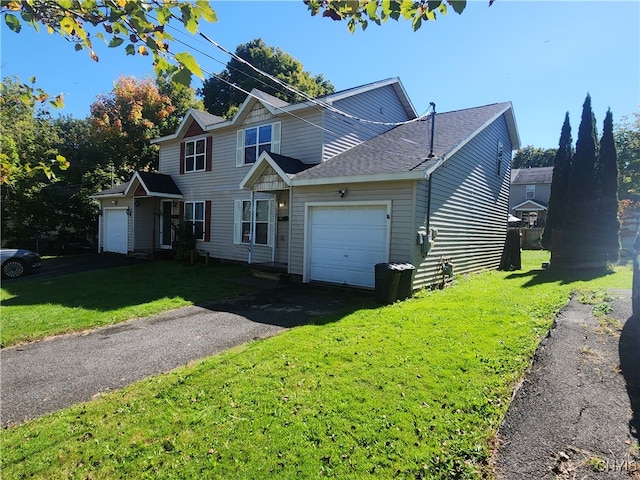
[(17, 262)]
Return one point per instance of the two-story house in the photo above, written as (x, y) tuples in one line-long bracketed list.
[(529, 196), (326, 190)]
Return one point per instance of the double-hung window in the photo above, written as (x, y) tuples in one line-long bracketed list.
[(194, 218), (254, 223), (255, 140), (194, 155), (531, 192)]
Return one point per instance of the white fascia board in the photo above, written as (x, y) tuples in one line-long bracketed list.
[(165, 195), (534, 204), (107, 195), (473, 134), (346, 179)]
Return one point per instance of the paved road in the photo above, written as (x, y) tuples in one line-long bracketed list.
[(44, 376)]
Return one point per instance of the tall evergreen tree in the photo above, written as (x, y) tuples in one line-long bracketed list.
[(581, 218), (608, 233), (559, 187)]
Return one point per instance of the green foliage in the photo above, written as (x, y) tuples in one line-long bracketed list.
[(37, 308), (21, 113), (220, 98), (416, 389), (185, 241), (627, 136), (608, 233), (532, 157), (141, 27), (360, 12), (582, 198), (557, 209)]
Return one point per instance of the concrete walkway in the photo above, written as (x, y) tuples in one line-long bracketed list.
[(577, 413)]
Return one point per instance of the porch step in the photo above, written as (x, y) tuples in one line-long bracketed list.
[(275, 276)]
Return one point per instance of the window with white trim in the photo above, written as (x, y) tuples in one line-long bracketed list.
[(194, 218), (254, 225), (531, 191), (194, 155), (251, 142)]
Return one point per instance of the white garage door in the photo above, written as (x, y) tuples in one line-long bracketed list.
[(115, 230), (346, 242)]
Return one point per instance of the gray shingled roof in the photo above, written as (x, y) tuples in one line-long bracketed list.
[(159, 183), (154, 182), (530, 176), (289, 165), (205, 118), (406, 148)]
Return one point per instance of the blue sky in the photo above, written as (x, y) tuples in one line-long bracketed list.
[(543, 56)]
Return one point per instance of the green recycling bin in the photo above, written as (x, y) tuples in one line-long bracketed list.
[(405, 286), (387, 281)]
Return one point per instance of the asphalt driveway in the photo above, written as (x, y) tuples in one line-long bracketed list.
[(48, 375)]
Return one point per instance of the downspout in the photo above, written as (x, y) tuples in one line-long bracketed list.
[(431, 155), (253, 195)]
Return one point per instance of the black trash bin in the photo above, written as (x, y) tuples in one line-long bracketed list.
[(387, 280), (405, 286)]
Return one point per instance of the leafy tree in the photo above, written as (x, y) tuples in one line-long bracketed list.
[(125, 120), (627, 137), (29, 151), (559, 189), (608, 232), (19, 157), (182, 98), (360, 12), (581, 221), (530, 157), (138, 26), (220, 98)]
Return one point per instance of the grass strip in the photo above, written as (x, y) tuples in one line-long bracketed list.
[(34, 309)]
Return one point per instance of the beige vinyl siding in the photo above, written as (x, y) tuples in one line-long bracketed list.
[(143, 216), (302, 139), (221, 185), (399, 193), (381, 104), (469, 207)]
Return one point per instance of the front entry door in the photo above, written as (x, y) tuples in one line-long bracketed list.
[(166, 232)]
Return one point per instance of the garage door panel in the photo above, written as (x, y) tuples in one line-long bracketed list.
[(115, 231), (346, 243)]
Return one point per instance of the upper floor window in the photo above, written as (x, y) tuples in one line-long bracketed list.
[(194, 155), (531, 191), (253, 141)]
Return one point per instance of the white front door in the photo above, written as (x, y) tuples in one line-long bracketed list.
[(346, 242), (115, 230)]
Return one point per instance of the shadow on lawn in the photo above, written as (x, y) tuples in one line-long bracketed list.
[(223, 288), (567, 276), (294, 304)]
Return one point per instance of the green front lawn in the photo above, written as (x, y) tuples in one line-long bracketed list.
[(412, 390), (36, 308)]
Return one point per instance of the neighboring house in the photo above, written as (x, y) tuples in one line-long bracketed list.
[(324, 196), (529, 196)]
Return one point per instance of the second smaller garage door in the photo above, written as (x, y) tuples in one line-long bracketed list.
[(346, 242), (115, 230)]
